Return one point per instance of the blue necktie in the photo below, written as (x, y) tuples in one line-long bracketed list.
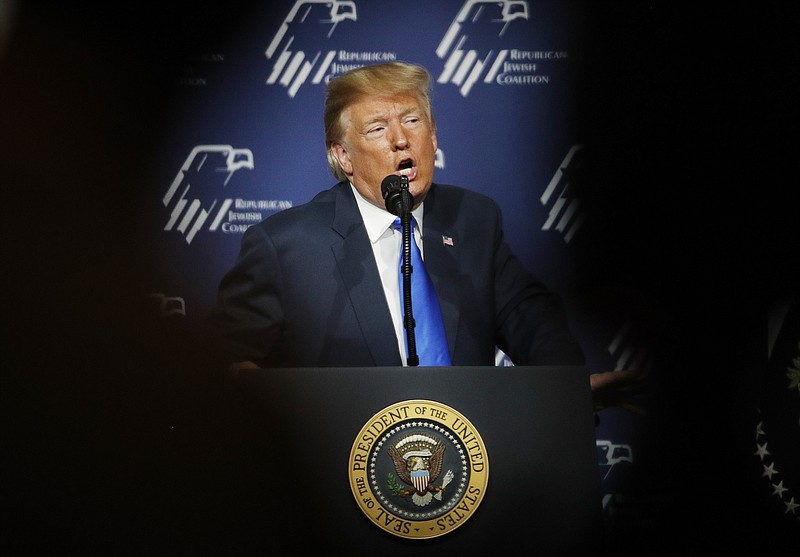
[(429, 331)]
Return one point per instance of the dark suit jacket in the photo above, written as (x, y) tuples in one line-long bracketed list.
[(305, 289)]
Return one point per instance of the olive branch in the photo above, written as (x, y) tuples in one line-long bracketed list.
[(394, 486)]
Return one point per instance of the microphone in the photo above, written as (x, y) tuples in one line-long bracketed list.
[(399, 202), (396, 195)]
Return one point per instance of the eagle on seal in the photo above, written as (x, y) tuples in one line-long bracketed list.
[(418, 462)]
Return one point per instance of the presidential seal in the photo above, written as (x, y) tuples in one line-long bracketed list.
[(418, 469)]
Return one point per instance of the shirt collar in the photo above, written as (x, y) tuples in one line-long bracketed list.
[(377, 220)]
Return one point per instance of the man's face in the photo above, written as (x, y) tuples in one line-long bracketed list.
[(387, 135)]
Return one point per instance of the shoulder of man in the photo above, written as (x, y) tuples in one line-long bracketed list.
[(320, 207), (450, 191), (448, 197)]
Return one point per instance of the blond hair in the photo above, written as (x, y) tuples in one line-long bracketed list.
[(388, 79)]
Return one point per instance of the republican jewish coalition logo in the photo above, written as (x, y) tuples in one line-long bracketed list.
[(418, 469), (193, 198), (301, 50), (475, 48), (206, 169)]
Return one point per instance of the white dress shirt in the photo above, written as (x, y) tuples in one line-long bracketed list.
[(386, 242)]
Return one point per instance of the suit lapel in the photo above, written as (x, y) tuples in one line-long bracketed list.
[(356, 264), (442, 247)]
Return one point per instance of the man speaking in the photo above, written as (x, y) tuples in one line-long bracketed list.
[(411, 273)]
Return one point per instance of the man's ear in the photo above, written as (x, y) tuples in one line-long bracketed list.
[(342, 157)]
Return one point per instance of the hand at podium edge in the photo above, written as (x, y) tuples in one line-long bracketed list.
[(235, 367), (618, 388)]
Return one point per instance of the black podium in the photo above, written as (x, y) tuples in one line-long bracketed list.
[(536, 423)]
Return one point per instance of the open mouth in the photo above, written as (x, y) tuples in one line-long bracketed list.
[(406, 168)]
